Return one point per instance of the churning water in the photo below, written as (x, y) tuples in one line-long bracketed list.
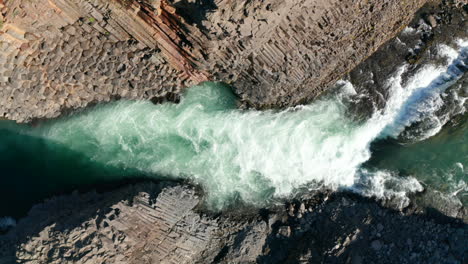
[(247, 155)]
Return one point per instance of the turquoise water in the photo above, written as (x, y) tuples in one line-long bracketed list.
[(439, 162), (34, 168), (233, 154), (245, 155)]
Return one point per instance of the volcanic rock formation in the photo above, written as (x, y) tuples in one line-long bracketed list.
[(65, 54)]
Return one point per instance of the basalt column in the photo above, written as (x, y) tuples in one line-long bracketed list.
[(65, 54)]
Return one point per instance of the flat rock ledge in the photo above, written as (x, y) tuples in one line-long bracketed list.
[(163, 223)]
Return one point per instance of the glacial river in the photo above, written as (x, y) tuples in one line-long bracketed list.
[(418, 140)]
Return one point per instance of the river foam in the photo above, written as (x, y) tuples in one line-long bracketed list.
[(255, 156)]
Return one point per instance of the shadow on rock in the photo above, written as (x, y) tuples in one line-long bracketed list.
[(195, 11), (350, 229)]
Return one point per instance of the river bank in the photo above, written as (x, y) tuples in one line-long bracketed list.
[(156, 222)]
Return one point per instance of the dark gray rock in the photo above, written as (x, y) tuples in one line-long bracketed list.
[(163, 223)]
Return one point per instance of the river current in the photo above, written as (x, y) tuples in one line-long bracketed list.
[(418, 140)]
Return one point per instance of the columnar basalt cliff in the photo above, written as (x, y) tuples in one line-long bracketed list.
[(65, 54)]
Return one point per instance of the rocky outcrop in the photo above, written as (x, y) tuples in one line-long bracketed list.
[(290, 51), (162, 223), (65, 54)]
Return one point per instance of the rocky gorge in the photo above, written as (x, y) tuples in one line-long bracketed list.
[(62, 55)]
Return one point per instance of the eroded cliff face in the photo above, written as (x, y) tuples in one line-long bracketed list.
[(65, 54)]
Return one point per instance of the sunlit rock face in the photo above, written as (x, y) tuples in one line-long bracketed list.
[(62, 54)]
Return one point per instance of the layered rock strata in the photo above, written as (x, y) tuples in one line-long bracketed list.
[(160, 223), (65, 54)]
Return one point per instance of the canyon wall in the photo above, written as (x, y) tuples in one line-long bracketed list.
[(59, 55)]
